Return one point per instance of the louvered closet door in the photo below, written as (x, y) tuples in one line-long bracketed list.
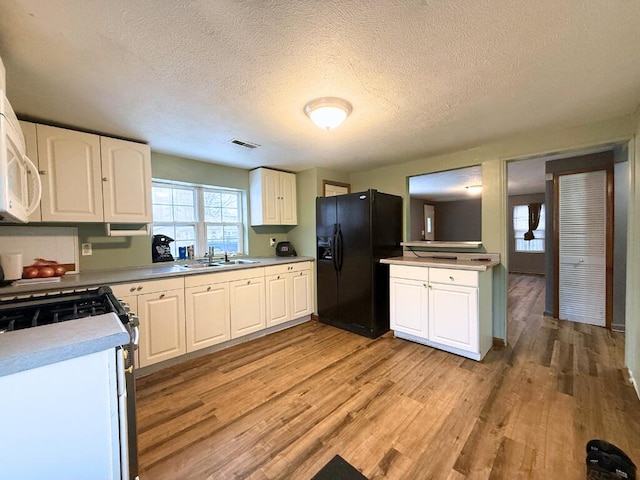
[(582, 247)]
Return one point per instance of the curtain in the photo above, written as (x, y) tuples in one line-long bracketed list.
[(534, 220)]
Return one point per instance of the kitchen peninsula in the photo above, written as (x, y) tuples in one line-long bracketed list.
[(443, 300)]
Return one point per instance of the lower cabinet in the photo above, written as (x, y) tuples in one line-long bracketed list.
[(207, 310), (289, 292), (408, 301), (185, 314), (444, 308), (161, 310), (247, 304)]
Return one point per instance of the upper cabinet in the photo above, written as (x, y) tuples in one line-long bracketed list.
[(89, 178), (126, 181), (272, 197)]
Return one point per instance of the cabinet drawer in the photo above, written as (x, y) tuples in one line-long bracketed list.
[(454, 277), (287, 268), (412, 273), (139, 288)]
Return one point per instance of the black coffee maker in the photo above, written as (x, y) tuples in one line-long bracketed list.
[(160, 250)]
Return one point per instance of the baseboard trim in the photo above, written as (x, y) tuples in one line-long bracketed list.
[(634, 383), (498, 343), (315, 317)]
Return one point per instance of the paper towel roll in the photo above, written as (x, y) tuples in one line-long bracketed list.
[(11, 265)]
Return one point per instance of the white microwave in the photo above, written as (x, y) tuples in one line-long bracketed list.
[(20, 186)]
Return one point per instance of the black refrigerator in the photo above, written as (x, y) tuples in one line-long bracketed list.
[(353, 232)]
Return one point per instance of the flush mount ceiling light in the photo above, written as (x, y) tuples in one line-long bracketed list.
[(328, 112), (473, 189)]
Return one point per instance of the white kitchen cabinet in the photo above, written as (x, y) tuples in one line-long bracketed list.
[(272, 197), (69, 166), (161, 310), (409, 300), (88, 178), (126, 181), (289, 292), (247, 305), (441, 307), (207, 314)]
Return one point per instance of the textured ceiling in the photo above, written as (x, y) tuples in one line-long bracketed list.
[(423, 77)]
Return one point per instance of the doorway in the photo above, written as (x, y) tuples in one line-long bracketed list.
[(541, 170)]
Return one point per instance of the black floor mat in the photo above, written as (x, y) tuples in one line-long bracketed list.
[(338, 469)]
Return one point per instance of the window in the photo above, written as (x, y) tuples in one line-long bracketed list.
[(521, 226), (200, 216)]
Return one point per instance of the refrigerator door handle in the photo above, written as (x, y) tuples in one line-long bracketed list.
[(340, 252), (335, 247)]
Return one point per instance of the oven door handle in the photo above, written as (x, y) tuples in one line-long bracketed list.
[(135, 321)]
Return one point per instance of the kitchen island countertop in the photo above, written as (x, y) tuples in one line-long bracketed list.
[(456, 261)]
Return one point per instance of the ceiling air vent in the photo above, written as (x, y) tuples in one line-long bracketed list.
[(241, 143)]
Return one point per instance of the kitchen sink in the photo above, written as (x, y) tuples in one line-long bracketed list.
[(198, 266), (237, 262), (217, 264)]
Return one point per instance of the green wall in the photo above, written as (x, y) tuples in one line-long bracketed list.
[(119, 252), (493, 158)]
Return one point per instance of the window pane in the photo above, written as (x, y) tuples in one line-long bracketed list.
[(211, 199), (230, 200), (212, 215), (162, 213), (183, 197), (161, 195), (230, 215), (521, 226), (223, 238), (184, 214), (164, 230)]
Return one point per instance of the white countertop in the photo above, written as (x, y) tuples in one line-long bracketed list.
[(483, 263)]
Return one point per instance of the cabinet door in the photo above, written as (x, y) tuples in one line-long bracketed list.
[(409, 300), (287, 199), (270, 197), (70, 171), (278, 288), (302, 294), (126, 181), (31, 142), (207, 316), (247, 300), (453, 316), (162, 326)]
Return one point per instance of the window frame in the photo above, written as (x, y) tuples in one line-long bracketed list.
[(541, 230), (200, 247)]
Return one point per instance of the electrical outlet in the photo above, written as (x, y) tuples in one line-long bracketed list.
[(86, 249), (272, 241)]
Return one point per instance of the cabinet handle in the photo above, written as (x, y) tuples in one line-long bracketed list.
[(162, 295), (105, 179), (139, 288), (42, 172), (208, 289), (248, 282), (132, 289), (430, 286), (278, 277), (451, 278)]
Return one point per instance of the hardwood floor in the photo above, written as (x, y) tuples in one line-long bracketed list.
[(281, 406)]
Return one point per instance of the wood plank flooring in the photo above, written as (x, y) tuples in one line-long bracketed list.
[(282, 406)]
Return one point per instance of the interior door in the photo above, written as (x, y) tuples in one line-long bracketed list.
[(583, 247)]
